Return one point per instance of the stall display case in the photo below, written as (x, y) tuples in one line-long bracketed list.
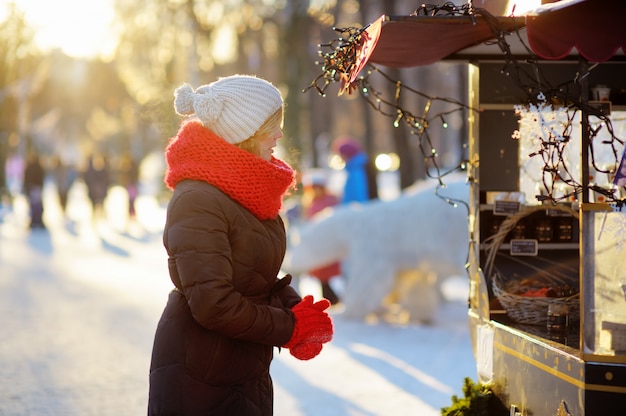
[(604, 285), (547, 300)]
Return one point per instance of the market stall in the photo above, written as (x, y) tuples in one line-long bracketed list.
[(546, 110)]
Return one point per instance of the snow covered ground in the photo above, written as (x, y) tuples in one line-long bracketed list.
[(79, 304)]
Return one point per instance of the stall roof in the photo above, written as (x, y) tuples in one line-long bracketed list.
[(592, 29), (408, 41)]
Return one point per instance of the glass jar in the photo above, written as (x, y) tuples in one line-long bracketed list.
[(558, 317)]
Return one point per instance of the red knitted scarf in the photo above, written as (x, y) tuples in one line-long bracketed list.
[(198, 153)]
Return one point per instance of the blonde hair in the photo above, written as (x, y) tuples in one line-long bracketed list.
[(252, 144)]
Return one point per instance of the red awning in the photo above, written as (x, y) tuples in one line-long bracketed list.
[(408, 41), (423, 40), (596, 29)]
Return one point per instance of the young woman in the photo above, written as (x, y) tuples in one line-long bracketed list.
[(226, 242)]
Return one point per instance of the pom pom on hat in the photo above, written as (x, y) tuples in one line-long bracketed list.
[(233, 107), (183, 103)]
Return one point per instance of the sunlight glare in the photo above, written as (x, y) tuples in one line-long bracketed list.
[(81, 29), (387, 162)]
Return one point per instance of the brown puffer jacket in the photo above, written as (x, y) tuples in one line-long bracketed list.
[(214, 343)]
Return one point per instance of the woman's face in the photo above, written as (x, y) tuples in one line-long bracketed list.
[(268, 143)]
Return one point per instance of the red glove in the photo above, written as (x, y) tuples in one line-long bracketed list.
[(313, 325), (306, 350)]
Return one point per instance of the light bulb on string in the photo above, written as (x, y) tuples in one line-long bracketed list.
[(396, 122), (443, 122), (398, 90)]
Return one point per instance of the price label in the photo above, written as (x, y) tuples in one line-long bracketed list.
[(558, 212), (506, 207), (525, 247)]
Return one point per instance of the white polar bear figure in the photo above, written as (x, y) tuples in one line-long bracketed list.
[(380, 242)]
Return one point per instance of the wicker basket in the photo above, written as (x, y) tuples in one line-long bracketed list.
[(526, 309), (530, 310)]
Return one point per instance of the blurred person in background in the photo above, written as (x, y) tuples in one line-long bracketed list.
[(14, 170), (360, 184), (130, 181), (34, 176), (225, 242), (64, 176), (97, 179)]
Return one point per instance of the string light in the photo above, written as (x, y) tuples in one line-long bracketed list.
[(396, 122)]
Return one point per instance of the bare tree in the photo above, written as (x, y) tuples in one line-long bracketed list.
[(22, 72)]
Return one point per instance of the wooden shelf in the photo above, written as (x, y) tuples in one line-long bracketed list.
[(540, 246), (511, 107)]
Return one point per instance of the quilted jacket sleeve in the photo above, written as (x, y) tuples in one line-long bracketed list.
[(198, 240)]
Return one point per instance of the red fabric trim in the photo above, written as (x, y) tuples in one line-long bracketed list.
[(367, 44), (428, 39), (595, 28), (199, 154), (423, 40)]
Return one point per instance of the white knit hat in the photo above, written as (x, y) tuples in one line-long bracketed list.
[(233, 107)]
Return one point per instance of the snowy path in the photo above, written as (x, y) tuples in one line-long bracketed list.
[(78, 308)]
